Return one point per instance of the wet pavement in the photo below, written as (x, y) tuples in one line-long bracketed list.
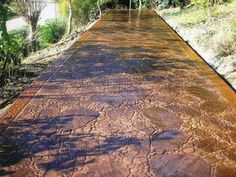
[(129, 98)]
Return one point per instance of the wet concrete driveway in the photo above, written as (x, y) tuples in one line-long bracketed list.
[(129, 98)]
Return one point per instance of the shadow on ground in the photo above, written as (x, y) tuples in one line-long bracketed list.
[(47, 136)]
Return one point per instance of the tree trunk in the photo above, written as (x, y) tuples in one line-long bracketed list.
[(3, 20), (69, 26), (5, 36), (32, 36), (140, 4), (129, 4), (99, 8)]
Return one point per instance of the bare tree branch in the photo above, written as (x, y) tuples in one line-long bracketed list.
[(30, 11)]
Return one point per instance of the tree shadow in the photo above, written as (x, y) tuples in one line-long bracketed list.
[(95, 59), (52, 137), (98, 61)]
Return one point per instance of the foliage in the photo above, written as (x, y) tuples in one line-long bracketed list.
[(145, 3), (208, 3), (4, 40), (83, 11), (224, 42), (16, 47), (18, 43), (187, 16), (193, 14), (51, 32), (11, 15), (150, 3), (125, 3), (30, 11), (172, 3), (200, 3), (12, 51)]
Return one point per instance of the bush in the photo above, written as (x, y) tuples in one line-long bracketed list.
[(200, 3), (225, 44), (208, 3), (11, 52), (51, 32), (19, 42), (125, 3), (16, 48), (150, 3), (172, 3)]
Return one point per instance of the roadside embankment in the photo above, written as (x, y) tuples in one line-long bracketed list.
[(212, 36)]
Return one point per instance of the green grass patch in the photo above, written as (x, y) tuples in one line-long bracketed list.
[(223, 9), (189, 16), (233, 27), (194, 14)]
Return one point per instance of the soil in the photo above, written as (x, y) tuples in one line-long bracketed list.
[(15, 85)]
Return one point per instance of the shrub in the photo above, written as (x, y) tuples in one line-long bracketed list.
[(11, 52), (19, 42), (51, 32), (200, 3), (225, 44), (16, 48), (208, 3), (172, 3)]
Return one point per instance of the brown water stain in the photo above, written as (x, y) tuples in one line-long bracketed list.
[(209, 144), (231, 154), (168, 140), (214, 106), (161, 118), (184, 165), (223, 171), (193, 112), (230, 118), (202, 93)]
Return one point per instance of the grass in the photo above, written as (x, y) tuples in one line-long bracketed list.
[(233, 27), (219, 33), (188, 16), (224, 9), (192, 15)]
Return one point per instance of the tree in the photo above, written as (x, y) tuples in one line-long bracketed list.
[(3, 33), (69, 26), (30, 10), (99, 8), (83, 11), (140, 4)]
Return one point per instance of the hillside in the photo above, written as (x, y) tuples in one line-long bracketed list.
[(211, 32)]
